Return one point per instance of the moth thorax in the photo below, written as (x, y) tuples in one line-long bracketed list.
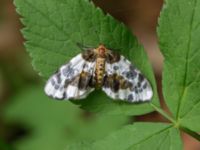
[(99, 72)]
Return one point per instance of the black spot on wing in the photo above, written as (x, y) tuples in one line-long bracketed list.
[(136, 90), (68, 71), (116, 67), (64, 95), (144, 86), (131, 74), (130, 97), (139, 84), (52, 82), (56, 86), (140, 78), (58, 77)]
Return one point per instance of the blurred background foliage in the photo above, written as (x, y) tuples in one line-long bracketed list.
[(31, 121)]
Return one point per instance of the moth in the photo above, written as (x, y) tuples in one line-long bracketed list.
[(97, 68)]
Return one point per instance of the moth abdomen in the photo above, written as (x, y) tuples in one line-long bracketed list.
[(99, 71)]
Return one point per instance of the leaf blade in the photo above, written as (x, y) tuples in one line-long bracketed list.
[(138, 136), (54, 27), (179, 44)]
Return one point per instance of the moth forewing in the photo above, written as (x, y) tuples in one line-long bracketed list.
[(67, 82)]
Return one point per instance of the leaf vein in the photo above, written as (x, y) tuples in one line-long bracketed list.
[(167, 128), (187, 62), (47, 17), (45, 49), (194, 106)]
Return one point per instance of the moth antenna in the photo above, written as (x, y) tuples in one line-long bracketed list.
[(83, 47)]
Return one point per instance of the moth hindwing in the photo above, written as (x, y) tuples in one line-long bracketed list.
[(99, 68)]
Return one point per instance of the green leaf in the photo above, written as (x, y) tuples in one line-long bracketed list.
[(139, 136), (55, 124), (52, 30), (179, 34)]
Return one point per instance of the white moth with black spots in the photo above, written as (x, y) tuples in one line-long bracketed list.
[(99, 68)]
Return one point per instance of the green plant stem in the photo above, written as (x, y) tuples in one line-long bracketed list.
[(163, 113), (176, 124), (190, 132)]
